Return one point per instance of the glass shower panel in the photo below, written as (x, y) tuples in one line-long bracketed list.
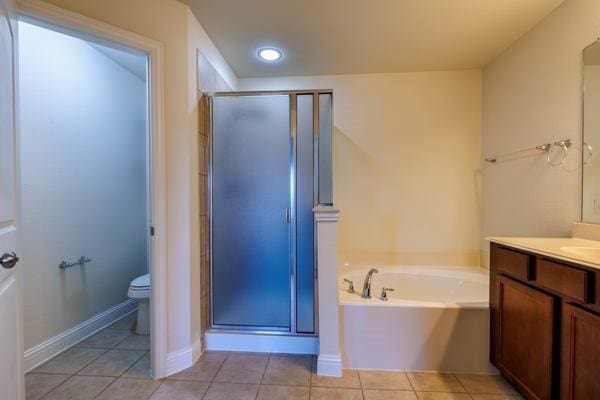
[(325, 149), (250, 211), (305, 200)]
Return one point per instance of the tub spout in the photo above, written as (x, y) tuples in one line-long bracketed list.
[(366, 292)]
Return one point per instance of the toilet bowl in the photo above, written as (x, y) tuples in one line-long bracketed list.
[(139, 290)]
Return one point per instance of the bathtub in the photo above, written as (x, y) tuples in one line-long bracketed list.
[(436, 319)]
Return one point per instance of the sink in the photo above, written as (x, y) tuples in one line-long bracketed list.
[(586, 252)]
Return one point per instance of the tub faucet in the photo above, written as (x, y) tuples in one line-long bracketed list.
[(366, 292)]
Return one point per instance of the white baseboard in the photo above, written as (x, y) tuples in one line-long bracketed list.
[(329, 365), (44, 351), (197, 348), (184, 358), (261, 343), (179, 360)]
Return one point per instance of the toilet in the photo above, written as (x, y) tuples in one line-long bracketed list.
[(139, 290)]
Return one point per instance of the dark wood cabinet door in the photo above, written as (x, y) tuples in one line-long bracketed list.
[(580, 360), (525, 337)]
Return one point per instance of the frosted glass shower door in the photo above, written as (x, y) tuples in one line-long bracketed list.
[(251, 211)]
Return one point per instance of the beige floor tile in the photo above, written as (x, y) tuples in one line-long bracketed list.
[(486, 384), (113, 363), (276, 392), (135, 342), (37, 385), (205, 368), (231, 391), (129, 389), (322, 393), (349, 379), (392, 380), (142, 369), (496, 397), (442, 396), (242, 368), (180, 390), (288, 370), (389, 395), (71, 361), (80, 388), (127, 323), (105, 339), (434, 382)]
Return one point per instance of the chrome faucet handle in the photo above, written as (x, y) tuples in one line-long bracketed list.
[(351, 285), (384, 291)]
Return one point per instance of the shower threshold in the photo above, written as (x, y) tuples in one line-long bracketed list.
[(265, 342)]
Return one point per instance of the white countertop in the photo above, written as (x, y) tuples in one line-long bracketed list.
[(552, 247)]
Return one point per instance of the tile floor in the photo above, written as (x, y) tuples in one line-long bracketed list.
[(114, 364)]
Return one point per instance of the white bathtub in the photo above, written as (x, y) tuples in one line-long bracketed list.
[(436, 319)]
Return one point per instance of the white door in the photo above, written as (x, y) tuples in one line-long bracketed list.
[(11, 378)]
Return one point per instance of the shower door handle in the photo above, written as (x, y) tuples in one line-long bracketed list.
[(288, 215)]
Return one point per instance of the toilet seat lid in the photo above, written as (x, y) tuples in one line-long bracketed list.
[(141, 282)]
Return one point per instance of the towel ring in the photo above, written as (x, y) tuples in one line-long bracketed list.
[(564, 146), (589, 153)]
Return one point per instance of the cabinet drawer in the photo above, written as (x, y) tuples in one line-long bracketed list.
[(563, 279), (512, 263)]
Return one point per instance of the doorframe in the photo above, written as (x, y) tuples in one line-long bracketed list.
[(59, 19)]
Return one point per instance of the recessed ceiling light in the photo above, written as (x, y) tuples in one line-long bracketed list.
[(269, 54)]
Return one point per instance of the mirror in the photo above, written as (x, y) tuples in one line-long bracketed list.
[(590, 212)]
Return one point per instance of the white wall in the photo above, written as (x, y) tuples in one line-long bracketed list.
[(406, 162), (532, 95), (84, 146)]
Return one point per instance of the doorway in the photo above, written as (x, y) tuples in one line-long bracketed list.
[(84, 198)]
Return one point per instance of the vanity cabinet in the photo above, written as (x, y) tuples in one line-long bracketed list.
[(545, 324), (580, 364), (525, 336)]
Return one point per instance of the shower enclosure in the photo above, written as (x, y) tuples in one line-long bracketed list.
[(271, 163)]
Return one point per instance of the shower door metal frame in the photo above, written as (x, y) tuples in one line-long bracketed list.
[(293, 94)]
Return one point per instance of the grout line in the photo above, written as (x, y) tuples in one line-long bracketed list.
[(90, 363), (130, 335), (212, 380), (263, 376), (460, 382), (49, 373), (107, 386), (312, 365), (136, 360), (409, 381), (133, 365), (155, 390), (55, 387), (359, 380)]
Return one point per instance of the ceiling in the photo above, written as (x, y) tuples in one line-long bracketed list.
[(133, 62), (365, 36)]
